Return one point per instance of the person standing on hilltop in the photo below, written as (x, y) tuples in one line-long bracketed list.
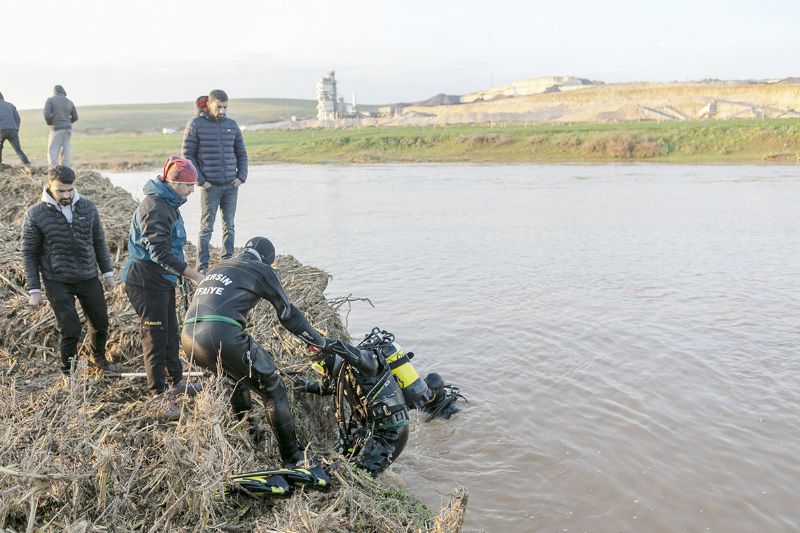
[(9, 131), (214, 143), (62, 238), (59, 113), (155, 264)]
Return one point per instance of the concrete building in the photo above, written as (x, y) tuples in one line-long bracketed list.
[(327, 100)]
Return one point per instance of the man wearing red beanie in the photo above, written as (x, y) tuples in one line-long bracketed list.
[(155, 263)]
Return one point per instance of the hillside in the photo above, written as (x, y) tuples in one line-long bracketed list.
[(151, 118), (619, 102), (547, 100), (544, 119)]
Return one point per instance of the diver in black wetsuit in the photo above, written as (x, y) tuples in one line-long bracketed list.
[(214, 329), (375, 430), (372, 401)]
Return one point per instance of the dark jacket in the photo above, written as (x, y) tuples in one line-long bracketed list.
[(60, 112), (234, 287), (216, 147), (156, 239), (63, 251), (9, 118)]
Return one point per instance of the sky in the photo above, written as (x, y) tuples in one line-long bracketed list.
[(147, 51)]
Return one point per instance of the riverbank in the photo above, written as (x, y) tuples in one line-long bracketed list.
[(734, 141), (92, 453)]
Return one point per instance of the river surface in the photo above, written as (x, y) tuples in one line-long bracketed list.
[(627, 335)]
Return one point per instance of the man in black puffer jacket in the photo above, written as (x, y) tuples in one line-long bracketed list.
[(214, 143), (62, 238)]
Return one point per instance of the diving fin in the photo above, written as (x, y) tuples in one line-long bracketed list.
[(259, 484), (315, 476)]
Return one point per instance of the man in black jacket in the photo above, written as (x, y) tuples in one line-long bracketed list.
[(155, 264), (214, 143), (62, 238)]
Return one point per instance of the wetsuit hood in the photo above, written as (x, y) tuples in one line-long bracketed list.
[(261, 248)]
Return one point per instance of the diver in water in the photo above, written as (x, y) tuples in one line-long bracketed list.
[(373, 393), (370, 408)]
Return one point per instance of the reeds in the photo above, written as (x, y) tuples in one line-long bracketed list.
[(92, 454)]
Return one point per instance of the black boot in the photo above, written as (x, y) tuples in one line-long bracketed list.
[(109, 369)]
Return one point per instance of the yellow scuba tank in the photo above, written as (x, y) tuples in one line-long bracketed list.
[(415, 390)]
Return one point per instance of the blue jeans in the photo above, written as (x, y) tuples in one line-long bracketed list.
[(216, 197)]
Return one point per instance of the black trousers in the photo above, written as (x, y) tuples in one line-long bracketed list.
[(62, 299), (252, 368), (12, 136), (158, 326)]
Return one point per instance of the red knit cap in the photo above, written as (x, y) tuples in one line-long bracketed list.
[(179, 170)]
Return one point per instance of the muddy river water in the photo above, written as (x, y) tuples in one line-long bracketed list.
[(627, 335)]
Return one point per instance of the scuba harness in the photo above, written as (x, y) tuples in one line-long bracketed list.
[(364, 405), (373, 385), (415, 390)]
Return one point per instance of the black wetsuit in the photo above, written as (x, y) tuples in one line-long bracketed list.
[(214, 332), (375, 430)]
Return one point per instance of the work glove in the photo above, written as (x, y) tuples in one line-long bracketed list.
[(323, 357), (306, 385), (311, 386)]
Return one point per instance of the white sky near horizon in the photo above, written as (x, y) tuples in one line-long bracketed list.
[(110, 51)]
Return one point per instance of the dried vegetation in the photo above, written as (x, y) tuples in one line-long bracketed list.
[(91, 454)]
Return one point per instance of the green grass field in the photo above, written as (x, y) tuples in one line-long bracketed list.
[(733, 141), (127, 136), (151, 118)]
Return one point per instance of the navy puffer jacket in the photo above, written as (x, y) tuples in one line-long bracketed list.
[(216, 148), (9, 118), (64, 252)]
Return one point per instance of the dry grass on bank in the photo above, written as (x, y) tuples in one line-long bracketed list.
[(90, 454)]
